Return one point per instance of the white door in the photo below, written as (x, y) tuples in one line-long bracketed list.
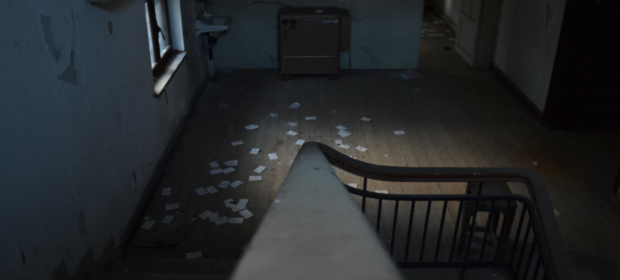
[(469, 29)]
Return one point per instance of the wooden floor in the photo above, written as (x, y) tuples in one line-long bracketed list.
[(454, 117)]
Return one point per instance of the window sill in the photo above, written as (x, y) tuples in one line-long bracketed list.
[(168, 70)]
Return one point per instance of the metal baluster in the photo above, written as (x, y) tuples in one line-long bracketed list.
[(379, 215), (514, 247), (472, 230), (394, 227), (409, 229), (364, 197), (456, 230), (443, 218), (486, 230), (503, 230), (527, 234), (529, 259), (428, 212)]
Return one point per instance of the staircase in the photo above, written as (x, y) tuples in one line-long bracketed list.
[(167, 269)]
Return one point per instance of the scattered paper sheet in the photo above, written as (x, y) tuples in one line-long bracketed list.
[(236, 184), (273, 115), (339, 142), (212, 190), (300, 142), (273, 156), (435, 35), (201, 191), (146, 218), (294, 105), (193, 255), (215, 171), (229, 203), (237, 143), (399, 132), (260, 169), (365, 119), (221, 221), (340, 127), (292, 133), (361, 149), (232, 162), (255, 151), (382, 191), (240, 205), (214, 164), (172, 206), (256, 178), (147, 225), (228, 170), (166, 191), (235, 220), (353, 185), (344, 133), (346, 147), (311, 118), (167, 219), (251, 127), (206, 214), (224, 184), (292, 124), (246, 214)]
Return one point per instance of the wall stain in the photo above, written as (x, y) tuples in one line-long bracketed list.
[(49, 38), (70, 74), (23, 255)]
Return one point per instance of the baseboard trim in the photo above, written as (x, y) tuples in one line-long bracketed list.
[(520, 95), (151, 187)]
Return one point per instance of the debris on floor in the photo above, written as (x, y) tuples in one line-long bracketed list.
[(228, 170), (211, 190), (167, 219), (311, 118), (206, 214), (255, 151), (407, 75), (237, 143), (147, 225), (215, 171), (201, 191), (251, 127), (346, 147), (260, 169), (382, 191), (292, 124), (273, 156), (273, 115), (435, 35), (339, 142), (235, 184), (340, 127), (294, 105), (399, 132), (193, 255), (246, 214), (353, 185), (300, 142), (241, 205), (224, 184), (232, 162), (361, 149), (214, 164), (365, 119), (172, 206), (221, 221), (292, 133), (256, 178), (166, 191), (236, 220), (344, 133)]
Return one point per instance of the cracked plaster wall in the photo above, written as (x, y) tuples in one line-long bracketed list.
[(80, 130)]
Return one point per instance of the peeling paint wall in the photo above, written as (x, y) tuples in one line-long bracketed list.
[(80, 130), (527, 42), (385, 34)]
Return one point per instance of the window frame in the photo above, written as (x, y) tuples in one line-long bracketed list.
[(161, 58)]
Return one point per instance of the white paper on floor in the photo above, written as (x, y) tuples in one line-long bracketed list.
[(366, 119), (229, 203), (240, 205), (273, 156), (172, 206), (300, 142), (292, 124), (256, 178), (201, 191), (235, 220), (255, 151), (361, 149), (236, 184), (232, 162), (221, 221), (435, 35), (294, 105), (206, 214), (215, 171), (228, 170), (339, 142), (212, 190), (353, 185), (311, 118), (273, 115), (346, 147), (214, 164), (399, 132), (237, 143), (344, 133), (224, 184), (167, 219), (292, 133), (148, 225), (166, 191), (193, 255), (340, 127), (246, 214), (260, 169), (382, 191), (251, 127)]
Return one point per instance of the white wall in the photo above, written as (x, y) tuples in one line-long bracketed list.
[(80, 136), (527, 42), (450, 9), (389, 30)]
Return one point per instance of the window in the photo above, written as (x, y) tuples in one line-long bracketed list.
[(158, 27)]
